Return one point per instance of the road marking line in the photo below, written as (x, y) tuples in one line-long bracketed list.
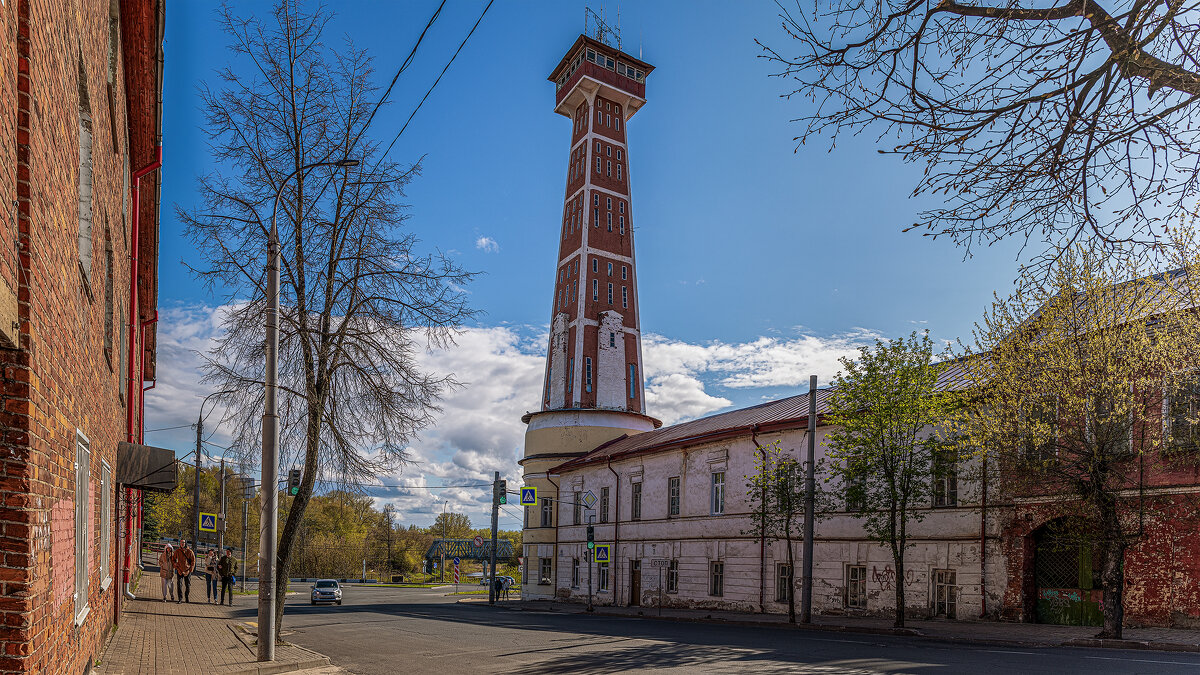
[(1117, 658), (1002, 651)]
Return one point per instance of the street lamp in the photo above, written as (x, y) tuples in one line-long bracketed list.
[(268, 525), (199, 461)]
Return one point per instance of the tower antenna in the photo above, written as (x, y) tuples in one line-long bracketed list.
[(604, 33)]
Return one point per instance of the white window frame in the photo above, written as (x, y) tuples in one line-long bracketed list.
[(674, 493), (83, 513), (106, 512), (635, 500), (602, 577), (717, 496)]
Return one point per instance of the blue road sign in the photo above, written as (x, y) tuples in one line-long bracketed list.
[(602, 553), (208, 522), (456, 562), (529, 496)]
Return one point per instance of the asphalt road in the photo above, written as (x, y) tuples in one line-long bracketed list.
[(384, 631)]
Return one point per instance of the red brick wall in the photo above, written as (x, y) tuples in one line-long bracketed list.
[(61, 379)]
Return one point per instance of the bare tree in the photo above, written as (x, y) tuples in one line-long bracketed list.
[(359, 300), (1044, 123)]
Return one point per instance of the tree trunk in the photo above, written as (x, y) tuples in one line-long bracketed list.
[(898, 558), (291, 527), (1112, 573)]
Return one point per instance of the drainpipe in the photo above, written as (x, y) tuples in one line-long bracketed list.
[(983, 544), (762, 531), (554, 522), (615, 562), (134, 365)]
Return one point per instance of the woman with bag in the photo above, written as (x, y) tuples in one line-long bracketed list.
[(210, 575), (166, 566)]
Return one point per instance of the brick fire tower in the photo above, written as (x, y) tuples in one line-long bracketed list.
[(592, 391)]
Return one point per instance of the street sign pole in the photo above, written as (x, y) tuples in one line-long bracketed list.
[(590, 556), (495, 524), (660, 569)]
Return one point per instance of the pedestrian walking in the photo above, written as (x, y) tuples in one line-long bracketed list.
[(227, 568), (210, 575), (185, 563), (166, 570)]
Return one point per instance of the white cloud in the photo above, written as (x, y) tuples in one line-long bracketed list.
[(487, 245), (479, 430)]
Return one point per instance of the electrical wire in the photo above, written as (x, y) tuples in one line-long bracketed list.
[(439, 79)]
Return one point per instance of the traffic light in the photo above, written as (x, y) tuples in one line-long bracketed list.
[(591, 537), (293, 482), (502, 492)]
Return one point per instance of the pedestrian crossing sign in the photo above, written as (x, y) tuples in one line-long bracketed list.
[(529, 496), (602, 553), (208, 522)]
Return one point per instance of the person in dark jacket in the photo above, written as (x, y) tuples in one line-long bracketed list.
[(226, 568)]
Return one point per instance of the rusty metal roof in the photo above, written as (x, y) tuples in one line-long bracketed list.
[(787, 413)]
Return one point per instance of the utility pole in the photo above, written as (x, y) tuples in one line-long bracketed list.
[(495, 524), (589, 557), (196, 493), (443, 568), (387, 510), (809, 502), (247, 492), (221, 515)]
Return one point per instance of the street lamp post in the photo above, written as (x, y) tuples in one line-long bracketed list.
[(199, 463), (268, 525)]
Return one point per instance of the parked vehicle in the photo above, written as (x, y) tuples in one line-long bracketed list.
[(326, 590)]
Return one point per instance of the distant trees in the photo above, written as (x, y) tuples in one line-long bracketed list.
[(886, 409)]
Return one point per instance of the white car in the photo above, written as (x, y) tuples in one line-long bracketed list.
[(327, 590)]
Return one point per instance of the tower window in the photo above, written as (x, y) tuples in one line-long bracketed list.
[(619, 153), (624, 296), (617, 123), (608, 168), (570, 373), (608, 120), (597, 146), (597, 165), (574, 289), (595, 290), (633, 384), (608, 151), (610, 269), (610, 294), (587, 373), (622, 224), (596, 217), (612, 339), (610, 203), (618, 171), (599, 116), (624, 272), (609, 221), (595, 263), (595, 199), (621, 207)]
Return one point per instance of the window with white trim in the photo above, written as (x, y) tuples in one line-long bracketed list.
[(610, 294), (602, 577), (106, 513), (595, 290), (618, 171), (83, 473), (635, 502), (718, 495), (610, 269), (622, 221), (624, 271), (608, 151), (633, 380), (624, 296), (587, 373)]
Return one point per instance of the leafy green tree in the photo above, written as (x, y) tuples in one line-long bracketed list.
[(886, 409), (452, 526), (776, 494), (1068, 378)]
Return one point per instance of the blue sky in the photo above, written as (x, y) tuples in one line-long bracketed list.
[(759, 262)]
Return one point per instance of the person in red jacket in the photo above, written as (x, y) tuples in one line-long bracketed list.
[(185, 564)]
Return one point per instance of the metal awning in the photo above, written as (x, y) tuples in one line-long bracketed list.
[(145, 467)]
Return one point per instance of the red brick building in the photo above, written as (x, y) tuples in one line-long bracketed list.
[(79, 145)]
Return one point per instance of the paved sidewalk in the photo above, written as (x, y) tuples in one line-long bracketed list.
[(979, 632), (197, 637)]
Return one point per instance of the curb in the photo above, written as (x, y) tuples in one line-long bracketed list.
[(313, 659), (1096, 643)]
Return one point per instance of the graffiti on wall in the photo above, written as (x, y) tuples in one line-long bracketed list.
[(887, 577)]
